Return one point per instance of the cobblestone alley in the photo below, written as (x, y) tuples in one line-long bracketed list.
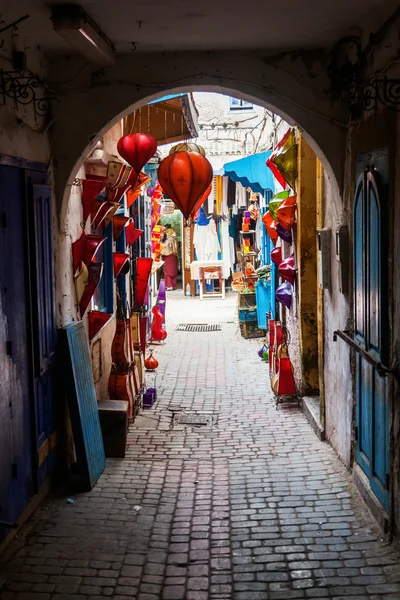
[(249, 506)]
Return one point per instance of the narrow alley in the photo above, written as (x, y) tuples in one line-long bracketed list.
[(242, 503)]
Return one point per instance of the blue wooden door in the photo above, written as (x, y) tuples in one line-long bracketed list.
[(17, 484), (370, 311), (42, 310)]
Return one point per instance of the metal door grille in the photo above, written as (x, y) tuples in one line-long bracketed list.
[(198, 327)]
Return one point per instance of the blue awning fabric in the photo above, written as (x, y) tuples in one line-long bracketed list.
[(252, 172)]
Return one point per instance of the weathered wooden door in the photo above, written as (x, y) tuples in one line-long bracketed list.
[(27, 339), (370, 320), (17, 483)]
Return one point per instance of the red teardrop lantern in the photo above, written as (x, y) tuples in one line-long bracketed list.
[(270, 226), (286, 269), (286, 212), (185, 177), (276, 255), (137, 149)]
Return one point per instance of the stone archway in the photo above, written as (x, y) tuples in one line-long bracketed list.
[(92, 101)]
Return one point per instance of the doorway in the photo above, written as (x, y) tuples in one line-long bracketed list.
[(27, 338), (370, 321)]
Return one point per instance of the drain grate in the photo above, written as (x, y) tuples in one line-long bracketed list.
[(193, 419), (198, 327)]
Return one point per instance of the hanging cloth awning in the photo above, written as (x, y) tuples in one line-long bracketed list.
[(252, 172), (170, 119)]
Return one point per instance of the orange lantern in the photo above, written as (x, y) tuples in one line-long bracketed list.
[(185, 177), (270, 226), (286, 212)]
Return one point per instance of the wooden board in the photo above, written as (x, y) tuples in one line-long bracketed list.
[(82, 404)]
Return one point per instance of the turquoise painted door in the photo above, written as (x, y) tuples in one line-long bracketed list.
[(370, 311)]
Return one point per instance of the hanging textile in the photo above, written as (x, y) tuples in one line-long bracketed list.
[(231, 195), (241, 201), (226, 246), (205, 241), (224, 206), (211, 198), (218, 194)]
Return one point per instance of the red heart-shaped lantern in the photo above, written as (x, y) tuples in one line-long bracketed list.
[(185, 177), (137, 149), (286, 269), (276, 255)]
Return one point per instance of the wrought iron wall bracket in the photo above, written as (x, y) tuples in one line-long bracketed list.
[(368, 96), (24, 89), (378, 366)]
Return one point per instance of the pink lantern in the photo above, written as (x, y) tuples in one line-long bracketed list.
[(276, 255), (287, 270)]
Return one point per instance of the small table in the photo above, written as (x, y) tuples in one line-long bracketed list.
[(212, 273)]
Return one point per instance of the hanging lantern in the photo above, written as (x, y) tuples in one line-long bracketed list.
[(120, 175), (143, 270), (270, 226), (91, 189), (284, 234), (151, 363), (95, 272), (188, 147), (286, 212), (119, 261), (78, 248), (100, 209), (93, 244), (185, 177), (133, 194), (110, 214), (119, 222), (81, 279), (284, 293), (287, 271), (97, 320), (132, 234), (283, 161), (137, 149), (275, 202), (276, 255)]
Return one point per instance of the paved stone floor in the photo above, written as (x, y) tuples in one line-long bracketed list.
[(249, 506)]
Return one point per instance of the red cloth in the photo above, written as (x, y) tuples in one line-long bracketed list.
[(170, 270)]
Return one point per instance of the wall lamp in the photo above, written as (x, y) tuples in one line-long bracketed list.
[(77, 28)]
